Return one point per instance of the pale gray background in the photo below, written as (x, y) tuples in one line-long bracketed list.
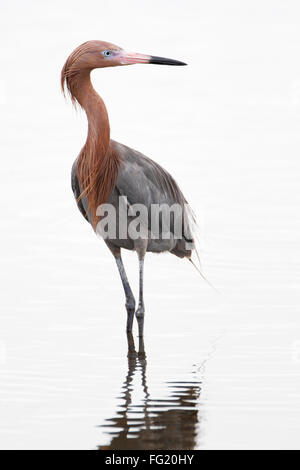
[(227, 127)]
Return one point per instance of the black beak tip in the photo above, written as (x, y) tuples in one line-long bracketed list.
[(165, 61)]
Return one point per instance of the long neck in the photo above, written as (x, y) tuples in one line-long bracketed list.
[(98, 123), (97, 165)]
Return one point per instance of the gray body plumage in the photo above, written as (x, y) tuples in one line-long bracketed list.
[(143, 181)]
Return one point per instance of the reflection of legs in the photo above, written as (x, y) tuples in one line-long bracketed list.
[(140, 313), (130, 301)]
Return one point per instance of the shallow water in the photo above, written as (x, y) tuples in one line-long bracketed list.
[(220, 370)]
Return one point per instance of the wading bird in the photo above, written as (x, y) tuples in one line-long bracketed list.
[(106, 170)]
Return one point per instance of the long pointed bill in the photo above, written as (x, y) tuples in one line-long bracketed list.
[(128, 58)]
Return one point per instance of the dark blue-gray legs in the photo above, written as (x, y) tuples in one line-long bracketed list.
[(141, 247), (130, 300), (140, 313)]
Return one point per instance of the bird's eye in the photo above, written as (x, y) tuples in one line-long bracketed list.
[(107, 53)]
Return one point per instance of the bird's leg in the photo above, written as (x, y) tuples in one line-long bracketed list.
[(130, 300), (132, 354), (140, 313), (141, 352)]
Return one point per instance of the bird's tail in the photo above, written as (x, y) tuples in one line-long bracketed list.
[(193, 231), (202, 275), (199, 269)]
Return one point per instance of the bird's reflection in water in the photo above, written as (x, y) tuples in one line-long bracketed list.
[(161, 424)]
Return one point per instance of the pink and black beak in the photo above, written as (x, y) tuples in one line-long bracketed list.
[(128, 58)]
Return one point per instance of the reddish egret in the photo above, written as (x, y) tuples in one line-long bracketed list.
[(106, 170)]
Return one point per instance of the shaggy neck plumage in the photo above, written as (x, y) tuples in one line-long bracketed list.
[(82, 90), (97, 165)]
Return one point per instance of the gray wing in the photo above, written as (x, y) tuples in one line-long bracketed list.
[(144, 181)]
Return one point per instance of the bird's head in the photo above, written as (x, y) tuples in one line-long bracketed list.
[(99, 54)]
